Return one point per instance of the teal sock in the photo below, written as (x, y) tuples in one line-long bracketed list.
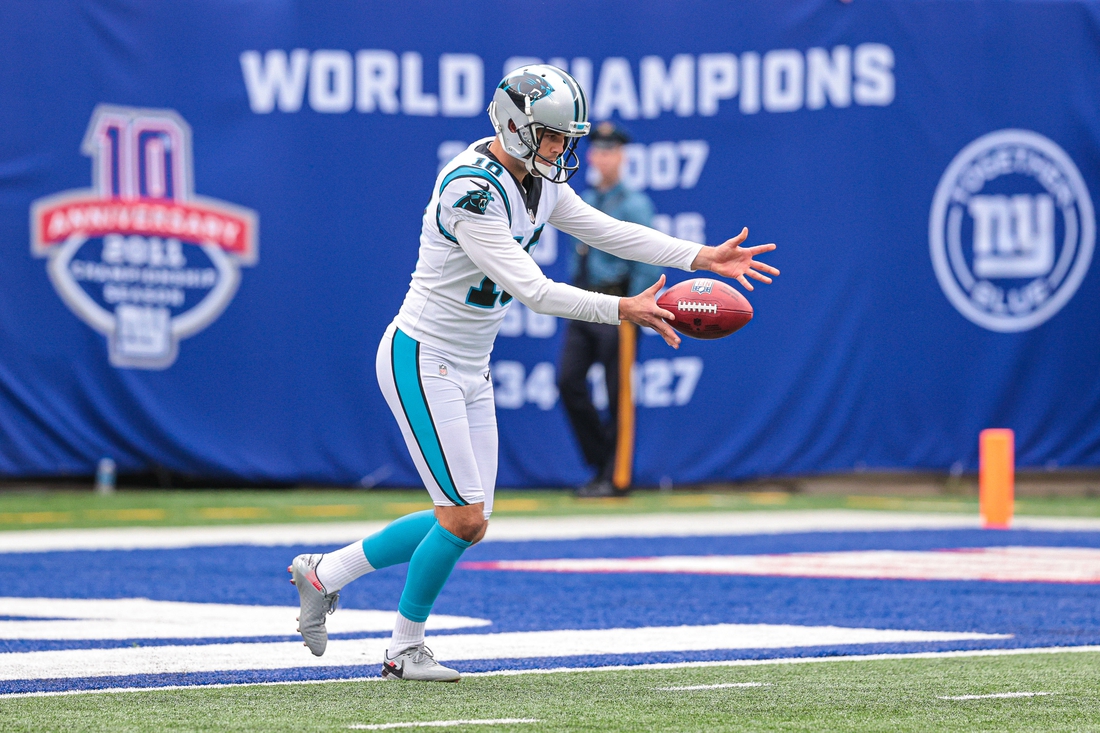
[(429, 568), (396, 542)]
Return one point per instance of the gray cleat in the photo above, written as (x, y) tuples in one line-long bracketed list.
[(316, 603), (417, 663)]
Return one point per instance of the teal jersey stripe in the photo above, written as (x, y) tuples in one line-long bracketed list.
[(469, 171), (406, 373)]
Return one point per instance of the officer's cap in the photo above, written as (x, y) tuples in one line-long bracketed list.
[(608, 135)]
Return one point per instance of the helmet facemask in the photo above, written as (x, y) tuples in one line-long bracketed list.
[(537, 164)]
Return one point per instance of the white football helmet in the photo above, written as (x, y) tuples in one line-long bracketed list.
[(536, 98)]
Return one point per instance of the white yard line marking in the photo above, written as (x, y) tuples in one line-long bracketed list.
[(723, 685), (798, 660), (69, 663), (168, 538), (523, 529), (607, 668), (444, 723), (1001, 564), (141, 618), (505, 529), (997, 694)]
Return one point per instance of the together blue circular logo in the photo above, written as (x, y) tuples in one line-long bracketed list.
[(1012, 230)]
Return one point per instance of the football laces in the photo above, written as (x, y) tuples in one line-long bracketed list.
[(693, 306)]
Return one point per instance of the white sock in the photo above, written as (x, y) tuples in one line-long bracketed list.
[(405, 634), (337, 569)]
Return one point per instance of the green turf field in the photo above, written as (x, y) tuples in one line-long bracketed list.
[(886, 695), (57, 509)]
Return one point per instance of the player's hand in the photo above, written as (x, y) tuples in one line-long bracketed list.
[(730, 259), (643, 310)]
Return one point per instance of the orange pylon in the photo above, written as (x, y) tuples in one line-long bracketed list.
[(997, 475)]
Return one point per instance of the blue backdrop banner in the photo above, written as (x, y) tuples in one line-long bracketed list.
[(209, 212)]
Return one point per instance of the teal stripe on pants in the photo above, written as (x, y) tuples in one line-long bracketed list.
[(406, 374)]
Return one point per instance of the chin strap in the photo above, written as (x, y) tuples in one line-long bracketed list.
[(531, 164)]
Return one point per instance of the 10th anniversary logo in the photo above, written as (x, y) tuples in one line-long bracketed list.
[(139, 257)]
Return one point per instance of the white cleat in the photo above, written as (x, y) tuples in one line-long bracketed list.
[(316, 603), (417, 663)]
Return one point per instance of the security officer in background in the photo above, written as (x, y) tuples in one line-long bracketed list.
[(608, 446)]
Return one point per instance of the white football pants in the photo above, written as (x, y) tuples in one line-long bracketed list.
[(447, 416)]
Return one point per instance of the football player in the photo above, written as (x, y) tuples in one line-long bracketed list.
[(488, 209)]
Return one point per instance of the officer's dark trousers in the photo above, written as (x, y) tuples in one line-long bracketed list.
[(585, 344)]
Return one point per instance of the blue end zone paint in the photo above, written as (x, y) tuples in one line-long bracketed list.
[(1037, 614)]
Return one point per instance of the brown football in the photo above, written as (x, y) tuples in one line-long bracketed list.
[(705, 309)]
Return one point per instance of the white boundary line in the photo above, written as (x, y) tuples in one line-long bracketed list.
[(609, 668), (526, 529), (798, 660)]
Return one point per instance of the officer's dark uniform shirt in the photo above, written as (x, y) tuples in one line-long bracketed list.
[(604, 272)]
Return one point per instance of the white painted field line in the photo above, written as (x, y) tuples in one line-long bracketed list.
[(797, 660), (443, 723), (607, 668), (141, 618), (525, 529), (277, 655), (996, 694), (504, 529), (689, 688)]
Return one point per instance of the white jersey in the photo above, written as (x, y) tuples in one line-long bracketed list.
[(478, 231)]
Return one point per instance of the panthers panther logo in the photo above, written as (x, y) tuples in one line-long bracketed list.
[(476, 200), (528, 85)]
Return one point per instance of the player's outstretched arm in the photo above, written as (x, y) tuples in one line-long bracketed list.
[(643, 310), (730, 259)]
